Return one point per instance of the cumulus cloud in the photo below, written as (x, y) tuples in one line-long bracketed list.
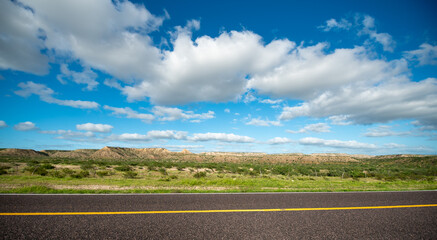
[(172, 114), (161, 113), (384, 131), (129, 113), (365, 25), (108, 35), (309, 71), (270, 101), (425, 55), (336, 143), (317, 127), (384, 39), (93, 127), (279, 140), (374, 104), (340, 120), (333, 24), (69, 135), (154, 134), (87, 77), (25, 126), (208, 69), (20, 40), (3, 124), (263, 123), (114, 37), (223, 137), (46, 95)]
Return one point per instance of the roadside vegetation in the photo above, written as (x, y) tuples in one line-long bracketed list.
[(70, 175)]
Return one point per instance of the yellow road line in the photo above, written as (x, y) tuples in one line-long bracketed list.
[(216, 211)]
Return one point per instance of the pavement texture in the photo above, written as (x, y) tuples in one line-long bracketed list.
[(402, 223)]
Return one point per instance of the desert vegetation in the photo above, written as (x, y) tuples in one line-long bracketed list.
[(158, 170)]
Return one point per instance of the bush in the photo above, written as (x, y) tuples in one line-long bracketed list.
[(102, 173), (200, 175), (3, 169), (123, 168), (57, 174), (86, 166), (81, 174), (67, 171), (130, 174), (47, 166), (163, 171), (37, 169)]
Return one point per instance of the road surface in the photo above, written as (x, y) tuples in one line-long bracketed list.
[(354, 215)]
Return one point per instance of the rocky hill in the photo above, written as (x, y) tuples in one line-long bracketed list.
[(120, 153)]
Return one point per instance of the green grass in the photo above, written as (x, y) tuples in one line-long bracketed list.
[(46, 175)]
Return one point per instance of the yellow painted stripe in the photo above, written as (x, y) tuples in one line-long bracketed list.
[(216, 211)]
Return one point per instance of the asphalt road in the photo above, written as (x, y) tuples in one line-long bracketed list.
[(399, 223)]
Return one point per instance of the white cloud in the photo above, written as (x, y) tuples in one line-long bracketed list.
[(426, 55), (384, 39), (336, 143), (3, 124), (333, 24), (223, 137), (316, 127), (227, 110), (167, 134), (340, 120), (87, 77), (270, 101), (69, 135), (263, 123), (208, 69), (365, 25), (161, 113), (172, 114), (25, 126), (279, 140), (423, 126), (89, 136), (131, 137), (20, 40), (384, 131), (107, 35), (102, 128), (309, 71), (154, 134), (46, 95), (129, 113), (374, 104)]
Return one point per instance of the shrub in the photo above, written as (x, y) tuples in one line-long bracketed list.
[(123, 168), (163, 171), (37, 169), (57, 174), (86, 166), (67, 171), (151, 168), (47, 166), (200, 174), (81, 174), (130, 174), (3, 169), (102, 173)]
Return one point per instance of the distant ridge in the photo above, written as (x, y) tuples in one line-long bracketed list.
[(120, 153)]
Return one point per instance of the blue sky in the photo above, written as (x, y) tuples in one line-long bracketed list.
[(355, 77)]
